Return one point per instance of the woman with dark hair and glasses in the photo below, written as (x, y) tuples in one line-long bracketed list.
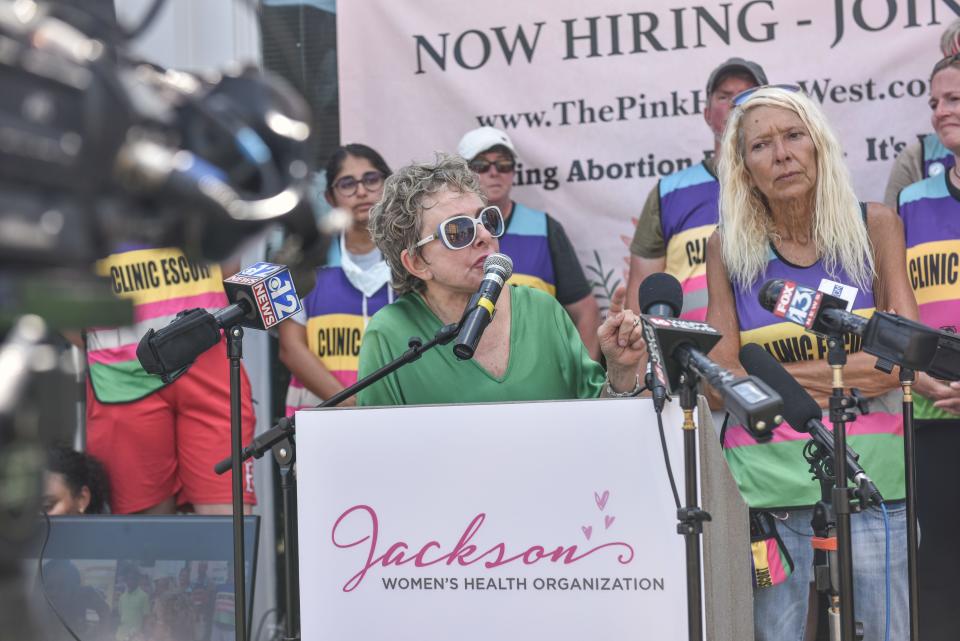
[(788, 210), (930, 210), (321, 349), (435, 231)]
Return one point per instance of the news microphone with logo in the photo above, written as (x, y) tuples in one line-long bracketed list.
[(261, 296), (891, 338), (497, 269), (803, 414), (660, 295), (675, 345)]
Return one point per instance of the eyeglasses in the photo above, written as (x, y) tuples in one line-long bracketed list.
[(460, 231), (944, 63), (482, 165), (744, 96), (347, 186)]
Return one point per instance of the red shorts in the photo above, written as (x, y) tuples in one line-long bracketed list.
[(167, 443)]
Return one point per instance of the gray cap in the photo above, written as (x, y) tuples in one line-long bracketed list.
[(736, 65)]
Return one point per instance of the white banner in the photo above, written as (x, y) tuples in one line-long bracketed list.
[(477, 522), (603, 98)]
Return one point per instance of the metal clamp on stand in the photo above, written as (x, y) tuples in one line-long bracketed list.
[(840, 415)]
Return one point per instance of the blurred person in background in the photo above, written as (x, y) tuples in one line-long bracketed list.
[(681, 211), (928, 156), (74, 483), (542, 254), (321, 347), (930, 210)]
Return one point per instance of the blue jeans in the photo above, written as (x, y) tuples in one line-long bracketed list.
[(780, 612)]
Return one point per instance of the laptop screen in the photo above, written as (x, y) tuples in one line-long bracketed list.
[(141, 578)]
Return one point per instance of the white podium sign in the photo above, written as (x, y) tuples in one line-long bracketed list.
[(519, 521)]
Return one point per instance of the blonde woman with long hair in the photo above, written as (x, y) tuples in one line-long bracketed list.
[(788, 210)]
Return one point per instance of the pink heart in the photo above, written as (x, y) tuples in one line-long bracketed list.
[(587, 531), (608, 521), (601, 499)]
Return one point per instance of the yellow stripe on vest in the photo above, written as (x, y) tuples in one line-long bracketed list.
[(336, 339), (790, 343), (527, 280), (934, 271), (687, 252), (151, 275)]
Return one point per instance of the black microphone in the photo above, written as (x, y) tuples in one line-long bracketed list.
[(803, 413), (891, 338), (261, 296), (497, 269), (677, 346), (660, 295)]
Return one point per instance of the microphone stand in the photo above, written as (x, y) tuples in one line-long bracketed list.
[(910, 471), (690, 517), (280, 438), (235, 355), (839, 417)]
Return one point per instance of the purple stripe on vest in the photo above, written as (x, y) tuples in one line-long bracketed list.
[(929, 220), (751, 315), (688, 207), (530, 255), (334, 294)]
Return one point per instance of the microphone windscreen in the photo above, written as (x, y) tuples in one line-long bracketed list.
[(798, 406), (500, 262), (770, 293), (661, 289)]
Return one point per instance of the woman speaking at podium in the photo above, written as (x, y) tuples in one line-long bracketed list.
[(436, 232), (788, 210)]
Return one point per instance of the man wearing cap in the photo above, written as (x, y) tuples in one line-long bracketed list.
[(681, 211), (542, 254)]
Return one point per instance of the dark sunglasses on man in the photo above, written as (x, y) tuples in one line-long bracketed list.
[(459, 232), (347, 186), (482, 165)]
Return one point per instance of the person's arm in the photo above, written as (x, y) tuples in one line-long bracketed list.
[(907, 169), (640, 268), (721, 315), (648, 252), (305, 365), (573, 290)]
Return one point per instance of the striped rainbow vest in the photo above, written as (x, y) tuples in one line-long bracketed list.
[(525, 242), (688, 215), (337, 316), (931, 224), (775, 474), (937, 159), (160, 283)]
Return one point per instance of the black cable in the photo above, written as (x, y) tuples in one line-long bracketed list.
[(263, 619), (43, 585), (666, 460)]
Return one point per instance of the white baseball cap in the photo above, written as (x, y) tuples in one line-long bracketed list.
[(479, 140)]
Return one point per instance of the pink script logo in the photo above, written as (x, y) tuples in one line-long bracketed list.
[(464, 553)]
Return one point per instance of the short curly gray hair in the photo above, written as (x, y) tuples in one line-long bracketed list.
[(395, 221)]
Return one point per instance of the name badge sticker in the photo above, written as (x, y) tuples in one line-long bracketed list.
[(846, 292)]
